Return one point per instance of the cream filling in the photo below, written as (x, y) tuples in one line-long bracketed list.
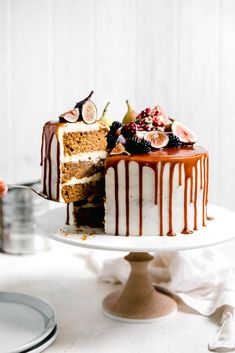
[(80, 126), (85, 157), (74, 181)]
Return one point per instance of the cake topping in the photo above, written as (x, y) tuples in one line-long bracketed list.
[(105, 117), (136, 145), (185, 135), (84, 110), (158, 139), (152, 129), (71, 116), (173, 140), (118, 149), (89, 112), (130, 115)]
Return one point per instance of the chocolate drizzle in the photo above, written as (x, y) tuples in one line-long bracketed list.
[(67, 214), (140, 198), (127, 196), (116, 200), (161, 198), (49, 131), (188, 158)]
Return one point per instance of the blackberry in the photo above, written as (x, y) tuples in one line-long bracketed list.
[(174, 141), (111, 140), (115, 125), (136, 145)]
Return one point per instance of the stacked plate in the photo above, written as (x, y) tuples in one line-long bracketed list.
[(27, 324)]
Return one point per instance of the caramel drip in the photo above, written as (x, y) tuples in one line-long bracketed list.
[(195, 197), (58, 172), (188, 175), (200, 173), (67, 214), (207, 187), (207, 179), (190, 158), (156, 184), (191, 189), (172, 167), (116, 200), (127, 197), (161, 197), (204, 192), (140, 198), (180, 173)]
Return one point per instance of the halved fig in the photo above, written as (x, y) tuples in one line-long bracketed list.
[(71, 116), (89, 112), (118, 149), (158, 139), (185, 135)]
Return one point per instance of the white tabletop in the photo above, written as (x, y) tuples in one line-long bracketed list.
[(61, 277)]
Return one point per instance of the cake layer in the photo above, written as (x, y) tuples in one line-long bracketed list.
[(160, 193), (80, 170), (77, 192), (80, 142), (89, 214)]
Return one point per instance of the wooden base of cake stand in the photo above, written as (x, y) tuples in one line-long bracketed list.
[(138, 301)]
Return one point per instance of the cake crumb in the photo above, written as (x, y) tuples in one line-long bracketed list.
[(84, 236)]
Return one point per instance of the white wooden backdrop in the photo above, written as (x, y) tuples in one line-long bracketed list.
[(178, 53)]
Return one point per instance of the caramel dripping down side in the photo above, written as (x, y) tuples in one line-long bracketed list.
[(170, 231), (189, 164)]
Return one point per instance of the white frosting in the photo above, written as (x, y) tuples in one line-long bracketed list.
[(150, 211), (93, 157), (94, 177)]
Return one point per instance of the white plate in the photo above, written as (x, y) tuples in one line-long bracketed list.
[(25, 322), (219, 230), (40, 347)]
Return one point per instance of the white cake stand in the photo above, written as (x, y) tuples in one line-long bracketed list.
[(138, 301)]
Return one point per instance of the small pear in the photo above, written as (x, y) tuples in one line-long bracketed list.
[(104, 117), (130, 115)]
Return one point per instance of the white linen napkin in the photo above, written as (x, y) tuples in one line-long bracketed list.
[(203, 279)]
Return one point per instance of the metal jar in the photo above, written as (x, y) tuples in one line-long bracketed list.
[(19, 210)]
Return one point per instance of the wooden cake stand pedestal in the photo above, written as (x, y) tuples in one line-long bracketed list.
[(138, 301)]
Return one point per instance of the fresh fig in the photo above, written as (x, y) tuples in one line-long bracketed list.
[(87, 110), (158, 139), (118, 149), (71, 116), (130, 115), (186, 136), (105, 117)]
